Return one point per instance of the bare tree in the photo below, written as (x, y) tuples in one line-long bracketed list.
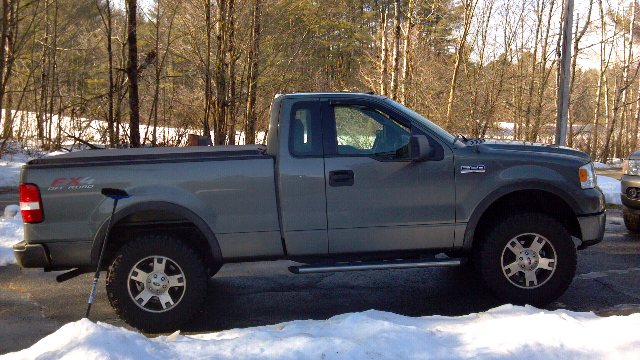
[(395, 73), (132, 74), (384, 62), (469, 10), (252, 77)]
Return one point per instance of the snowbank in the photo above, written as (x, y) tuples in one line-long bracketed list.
[(611, 189), (11, 232), (506, 332)]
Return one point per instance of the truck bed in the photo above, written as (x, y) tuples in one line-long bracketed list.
[(106, 157)]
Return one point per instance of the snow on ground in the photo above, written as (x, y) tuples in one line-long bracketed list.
[(10, 165), (506, 332), (11, 232), (613, 164), (611, 189)]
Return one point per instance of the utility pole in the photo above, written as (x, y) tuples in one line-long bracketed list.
[(565, 78)]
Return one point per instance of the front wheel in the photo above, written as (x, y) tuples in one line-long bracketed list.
[(631, 220), (156, 283), (529, 258)]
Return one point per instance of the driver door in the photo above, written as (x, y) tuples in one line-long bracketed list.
[(377, 198)]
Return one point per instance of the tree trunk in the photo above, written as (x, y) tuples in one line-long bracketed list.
[(574, 61), (625, 95), (593, 139), (4, 23), (132, 74), (469, 9), (206, 128), (534, 63), (7, 57), (156, 93), (231, 96), (110, 124), (406, 72), (395, 74), (221, 104), (254, 57), (383, 52)]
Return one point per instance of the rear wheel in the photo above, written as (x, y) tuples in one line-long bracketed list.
[(631, 220), (156, 283), (529, 258)]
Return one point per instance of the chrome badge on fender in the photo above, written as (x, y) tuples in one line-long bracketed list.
[(472, 169)]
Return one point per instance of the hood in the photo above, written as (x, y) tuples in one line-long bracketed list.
[(635, 155), (551, 150)]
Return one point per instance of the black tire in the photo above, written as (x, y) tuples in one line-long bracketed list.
[(165, 266), (631, 220), (545, 264)]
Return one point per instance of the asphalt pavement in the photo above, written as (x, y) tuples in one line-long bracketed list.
[(33, 305)]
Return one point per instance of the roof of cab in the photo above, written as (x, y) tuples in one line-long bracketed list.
[(333, 95)]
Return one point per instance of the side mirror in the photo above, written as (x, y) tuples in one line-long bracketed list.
[(419, 148)]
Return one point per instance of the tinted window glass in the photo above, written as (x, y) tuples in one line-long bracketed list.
[(306, 129), (364, 130)]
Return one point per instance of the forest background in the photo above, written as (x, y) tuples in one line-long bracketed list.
[(130, 73)]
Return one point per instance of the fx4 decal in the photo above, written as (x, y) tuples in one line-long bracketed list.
[(85, 182)]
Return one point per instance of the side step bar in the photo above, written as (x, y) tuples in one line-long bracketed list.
[(378, 265)]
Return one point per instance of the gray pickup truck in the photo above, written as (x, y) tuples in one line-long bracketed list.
[(346, 182)]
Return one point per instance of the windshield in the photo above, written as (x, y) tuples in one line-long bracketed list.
[(422, 120)]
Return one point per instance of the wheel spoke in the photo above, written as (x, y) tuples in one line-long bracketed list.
[(537, 244), (145, 295), (511, 269), (159, 264), (546, 264), (515, 246), (139, 275), (176, 280), (530, 278), (165, 299)]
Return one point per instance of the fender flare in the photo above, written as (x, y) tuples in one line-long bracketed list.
[(506, 190), (121, 213)]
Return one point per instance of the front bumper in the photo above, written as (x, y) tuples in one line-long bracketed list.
[(629, 181), (592, 229), (31, 255)]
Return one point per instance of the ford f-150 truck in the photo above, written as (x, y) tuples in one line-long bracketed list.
[(345, 182)]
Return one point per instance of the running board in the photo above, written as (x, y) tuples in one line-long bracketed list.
[(378, 265)]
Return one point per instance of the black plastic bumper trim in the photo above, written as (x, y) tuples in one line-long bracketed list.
[(592, 228), (31, 255)]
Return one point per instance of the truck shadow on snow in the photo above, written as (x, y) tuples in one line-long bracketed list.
[(242, 301)]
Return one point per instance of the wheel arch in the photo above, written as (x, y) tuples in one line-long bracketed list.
[(156, 216), (521, 197)]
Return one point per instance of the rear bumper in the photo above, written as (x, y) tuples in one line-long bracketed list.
[(57, 255), (31, 255), (592, 229)]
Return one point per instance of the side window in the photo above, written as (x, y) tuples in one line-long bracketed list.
[(366, 131), (305, 129)]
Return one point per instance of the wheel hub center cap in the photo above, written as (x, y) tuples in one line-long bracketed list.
[(528, 260), (157, 283)]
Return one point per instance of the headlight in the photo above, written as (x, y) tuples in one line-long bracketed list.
[(631, 167), (587, 174)]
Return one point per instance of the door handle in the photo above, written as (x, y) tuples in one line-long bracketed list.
[(341, 178)]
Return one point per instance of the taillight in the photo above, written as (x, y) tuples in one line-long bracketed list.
[(31, 203)]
